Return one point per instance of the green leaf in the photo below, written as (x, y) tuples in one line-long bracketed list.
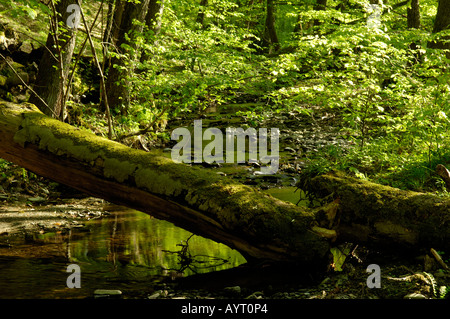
[(339, 256), (31, 12)]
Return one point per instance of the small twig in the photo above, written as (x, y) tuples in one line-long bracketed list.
[(54, 24)]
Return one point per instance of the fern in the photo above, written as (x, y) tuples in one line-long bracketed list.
[(443, 292), (433, 283)]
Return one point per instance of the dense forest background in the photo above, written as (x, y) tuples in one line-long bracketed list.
[(377, 72)]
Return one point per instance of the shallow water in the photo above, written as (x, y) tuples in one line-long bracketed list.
[(127, 250)]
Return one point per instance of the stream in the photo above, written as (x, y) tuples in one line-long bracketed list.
[(126, 250)]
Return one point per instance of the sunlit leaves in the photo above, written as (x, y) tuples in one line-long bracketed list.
[(28, 8)]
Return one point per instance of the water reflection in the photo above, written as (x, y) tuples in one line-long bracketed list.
[(126, 250)]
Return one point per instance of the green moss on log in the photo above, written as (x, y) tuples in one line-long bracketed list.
[(396, 215)]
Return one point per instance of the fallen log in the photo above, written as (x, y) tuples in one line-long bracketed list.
[(257, 225), (373, 214)]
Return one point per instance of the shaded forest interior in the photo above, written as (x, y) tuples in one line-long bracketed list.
[(355, 87)]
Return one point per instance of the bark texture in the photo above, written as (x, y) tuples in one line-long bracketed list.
[(270, 38), (413, 15)]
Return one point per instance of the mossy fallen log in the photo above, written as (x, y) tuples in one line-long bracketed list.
[(257, 225), (380, 215)]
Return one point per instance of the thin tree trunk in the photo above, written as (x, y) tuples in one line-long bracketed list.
[(118, 79), (442, 21), (413, 21), (201, 14), (102, 78), (107, 41), (381, 216), (154, 16), (321, 5), (108, 27), (270, 38), (111, 39)]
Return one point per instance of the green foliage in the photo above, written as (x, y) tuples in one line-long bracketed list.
[(387, 88), (193, 69), (14, 177), (392, 100), (28, 8)]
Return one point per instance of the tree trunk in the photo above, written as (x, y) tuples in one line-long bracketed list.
[(442, 22), (217, 207), (321, 5), (108, 28), (50, 80), (213, 206), (154, 16), (120, 68), (413, 21), (270, 38), (153, 21), (110, 38), (413, 15), (201, 14)]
